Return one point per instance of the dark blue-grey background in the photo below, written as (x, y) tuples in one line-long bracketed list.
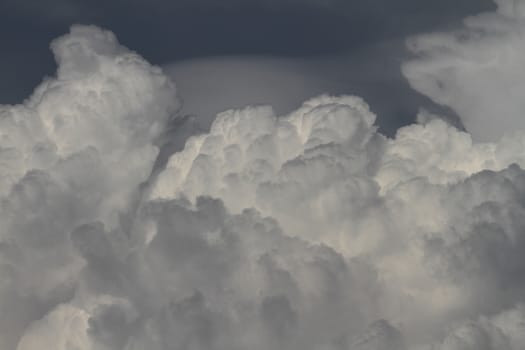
[(170, 31)]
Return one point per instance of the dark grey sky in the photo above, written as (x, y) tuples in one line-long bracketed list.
[(169, 31)]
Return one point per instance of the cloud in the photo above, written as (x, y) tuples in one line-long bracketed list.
[(502, 331), (210, 86), (471, 68), (309, 230), (74, 152)]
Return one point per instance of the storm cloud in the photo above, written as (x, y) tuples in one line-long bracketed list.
[(302, 230)]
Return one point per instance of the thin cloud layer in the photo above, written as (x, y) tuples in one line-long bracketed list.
[(305, 231)]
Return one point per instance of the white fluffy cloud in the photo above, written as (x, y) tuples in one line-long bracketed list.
[(103, 110), (305, 231), (434, 217), (471, 68), (74, 152)]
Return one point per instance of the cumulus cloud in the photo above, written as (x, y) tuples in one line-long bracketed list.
[(75, 151), (430, 217), (310, 230), (472, 67)]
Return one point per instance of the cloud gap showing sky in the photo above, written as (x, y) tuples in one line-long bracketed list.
[(128, 225)]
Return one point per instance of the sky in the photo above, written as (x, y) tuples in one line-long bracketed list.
[(263, 175), (306, 47)]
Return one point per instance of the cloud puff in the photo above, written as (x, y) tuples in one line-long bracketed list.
[(106, 106), (502, 331), (74, 152), (471, 68), (432, 215), (304, 231)]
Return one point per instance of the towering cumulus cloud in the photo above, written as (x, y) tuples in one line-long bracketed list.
[(305, 231), (74, 153), (427, 226)]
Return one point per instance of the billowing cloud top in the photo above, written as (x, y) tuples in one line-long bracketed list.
[(305, 231), (102, 111), (74, 152)]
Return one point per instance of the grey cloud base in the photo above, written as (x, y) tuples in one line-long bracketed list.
[(305, 231)]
